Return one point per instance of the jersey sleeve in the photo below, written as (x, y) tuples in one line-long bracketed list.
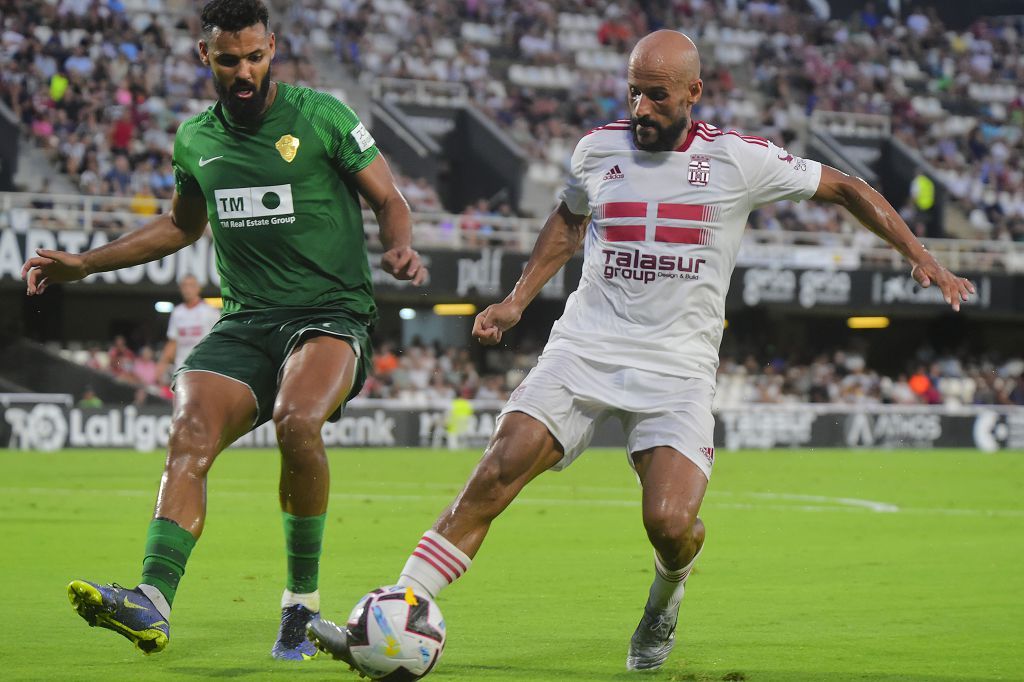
[(780, 175), (574, 193), (184, 182), (348, 142)]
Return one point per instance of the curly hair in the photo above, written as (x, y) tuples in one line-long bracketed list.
[(233, 15)]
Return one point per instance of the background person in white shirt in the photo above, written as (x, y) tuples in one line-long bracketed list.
[(662, 202), (191, 320)]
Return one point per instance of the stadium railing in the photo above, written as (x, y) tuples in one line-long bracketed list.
[(20, 211), (447, 93)]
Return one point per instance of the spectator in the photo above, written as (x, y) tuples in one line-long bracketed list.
[(190, 321), (144, 368), (121, 358), (89, 399)]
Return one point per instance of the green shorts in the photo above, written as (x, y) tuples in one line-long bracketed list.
[(252, 346)]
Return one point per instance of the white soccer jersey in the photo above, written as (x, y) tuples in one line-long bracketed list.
[(661, 246), (188, 326)]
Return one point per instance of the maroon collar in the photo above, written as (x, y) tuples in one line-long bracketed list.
[(689, 136)]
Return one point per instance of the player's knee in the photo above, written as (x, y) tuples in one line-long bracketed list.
[(297, 429), (673, 528), (191, 434)]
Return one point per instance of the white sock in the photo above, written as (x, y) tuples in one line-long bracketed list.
[(311, 600), (433, 565), (669, 585), (157, 597)]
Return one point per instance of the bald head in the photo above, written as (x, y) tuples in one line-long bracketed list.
[(664, 84), (668, 54)]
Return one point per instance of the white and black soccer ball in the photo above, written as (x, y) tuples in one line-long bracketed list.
[(396, 635)]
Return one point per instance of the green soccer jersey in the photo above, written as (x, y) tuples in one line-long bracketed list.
[(287, 226)]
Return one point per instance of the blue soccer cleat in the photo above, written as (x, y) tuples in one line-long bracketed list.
[(291, 644), (127, 612)]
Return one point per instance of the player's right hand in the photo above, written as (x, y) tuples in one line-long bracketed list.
[(929, 272), (494, 321), (52, 267)]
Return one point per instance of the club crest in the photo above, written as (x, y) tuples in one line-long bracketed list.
[(288, 147), (699, 170)]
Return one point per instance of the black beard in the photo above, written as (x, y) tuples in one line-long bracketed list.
[(244, 111), (667, 137)]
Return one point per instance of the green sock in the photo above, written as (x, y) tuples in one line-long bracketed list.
[(167, 548), (303, 538)]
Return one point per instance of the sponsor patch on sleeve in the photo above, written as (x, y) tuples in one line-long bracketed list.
[(362, 137)]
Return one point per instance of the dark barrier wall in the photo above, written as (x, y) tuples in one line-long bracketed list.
[(488, 274), (9, 149), (955, 14), (52, 426), (479, 159)]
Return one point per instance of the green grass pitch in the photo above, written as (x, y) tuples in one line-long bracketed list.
[(820, 565)]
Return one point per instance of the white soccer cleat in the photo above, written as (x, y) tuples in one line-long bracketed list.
[(653, 639)]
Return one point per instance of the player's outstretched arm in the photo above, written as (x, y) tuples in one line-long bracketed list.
[(162, 236), (556, 243), (166, 356), (878, 215), (376, 184)]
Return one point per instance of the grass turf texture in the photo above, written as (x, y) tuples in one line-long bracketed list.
[(797, 582)]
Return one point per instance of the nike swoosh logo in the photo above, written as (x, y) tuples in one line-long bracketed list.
[(133, 605), (203, 162)]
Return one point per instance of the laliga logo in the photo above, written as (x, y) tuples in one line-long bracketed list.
[(44, 427)]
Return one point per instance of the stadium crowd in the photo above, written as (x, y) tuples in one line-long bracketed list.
[(103, 90), (425, 374), (548, 71)]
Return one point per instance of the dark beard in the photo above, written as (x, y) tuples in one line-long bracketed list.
[(667, 137), (244, 111)]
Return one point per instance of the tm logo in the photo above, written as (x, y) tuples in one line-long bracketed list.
[(254, 202)]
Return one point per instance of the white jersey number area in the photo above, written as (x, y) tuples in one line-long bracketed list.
[(662, 242)]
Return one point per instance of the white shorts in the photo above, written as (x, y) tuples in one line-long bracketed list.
[(572, 395)]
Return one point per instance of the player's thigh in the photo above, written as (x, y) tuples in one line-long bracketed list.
[(673, 485), (210, 409), (240, 366), (671, 447), (521, 448), (316, 378), (553, 394)]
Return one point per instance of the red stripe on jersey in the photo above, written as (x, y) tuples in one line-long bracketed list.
[(621, 124), (625, 233), (684, 212), (760, 141), (679, 235), (710, 132), (625, 209), (444, 552), (444, 574)]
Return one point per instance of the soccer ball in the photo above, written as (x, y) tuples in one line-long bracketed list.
[(396, 635)]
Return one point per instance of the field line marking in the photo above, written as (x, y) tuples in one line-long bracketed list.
[(825, 503)]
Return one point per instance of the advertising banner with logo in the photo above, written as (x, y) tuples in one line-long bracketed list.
[(488, 273), (50, 426)]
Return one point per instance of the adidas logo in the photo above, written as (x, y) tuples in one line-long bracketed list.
[(614, 173)]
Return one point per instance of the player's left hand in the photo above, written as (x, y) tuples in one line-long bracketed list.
[(404, 263), (954, 289)]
